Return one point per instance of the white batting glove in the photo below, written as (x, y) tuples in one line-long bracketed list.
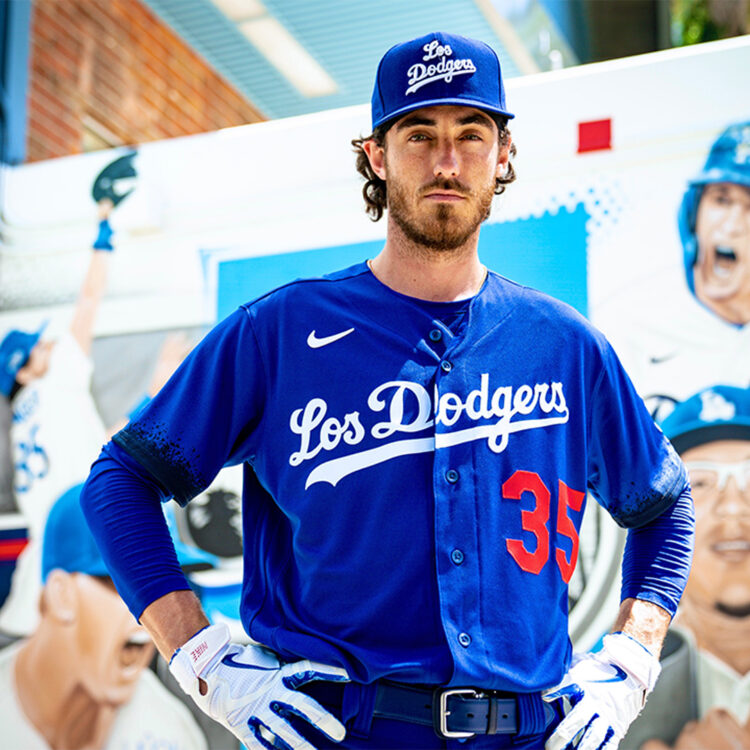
[(251, 692), (602, 693)]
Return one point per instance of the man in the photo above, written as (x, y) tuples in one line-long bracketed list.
[(80, 681), (711, 431), (714, 223), (676, 341), (418, 435), (48, 383)]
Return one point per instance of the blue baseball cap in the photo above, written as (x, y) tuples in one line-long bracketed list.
[(69, 545), (14, 354), (721, 412), (437, 68)]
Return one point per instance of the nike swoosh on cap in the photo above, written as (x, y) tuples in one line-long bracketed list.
[(315, 343)]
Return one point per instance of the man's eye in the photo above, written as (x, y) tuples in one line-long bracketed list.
[(417, 137), (472, 137), (721, 199)]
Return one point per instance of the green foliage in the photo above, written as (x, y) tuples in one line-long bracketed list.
[(695, 21)]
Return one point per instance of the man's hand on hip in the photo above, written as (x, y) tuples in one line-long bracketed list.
[(602, 693), (250, 692)]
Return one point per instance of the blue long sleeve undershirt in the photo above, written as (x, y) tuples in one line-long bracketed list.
[(657, 556), (122, 504)]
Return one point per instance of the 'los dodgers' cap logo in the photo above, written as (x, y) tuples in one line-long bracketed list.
[(437, 69), (442, 68)]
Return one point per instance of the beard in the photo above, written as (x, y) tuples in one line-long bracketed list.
[(443, 228)]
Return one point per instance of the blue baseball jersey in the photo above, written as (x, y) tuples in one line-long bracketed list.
[(413, 490)]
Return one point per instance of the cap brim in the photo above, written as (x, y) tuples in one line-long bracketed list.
[(192, 559), (456, 101), (721, 175), (701, 433)]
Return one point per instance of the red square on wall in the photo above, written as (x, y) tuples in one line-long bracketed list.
[(595, 135)]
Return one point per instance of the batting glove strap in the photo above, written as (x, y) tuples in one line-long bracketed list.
[(193, 658), (633, 657), (103, 239), (249, 691), (602, 694)]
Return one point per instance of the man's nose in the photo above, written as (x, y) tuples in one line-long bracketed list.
[(446, 162), (733, 499), (737, 220)]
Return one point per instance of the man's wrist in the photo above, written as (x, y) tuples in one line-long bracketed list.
[(637, 660), (173, 619), (202, 648)]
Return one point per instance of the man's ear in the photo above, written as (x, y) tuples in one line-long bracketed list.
[(376, 155), (503, 157), (60, 601)]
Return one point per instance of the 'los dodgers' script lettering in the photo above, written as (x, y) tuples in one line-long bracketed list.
[(443, 69), (407, 408)]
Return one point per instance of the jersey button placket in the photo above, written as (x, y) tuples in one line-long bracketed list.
[(455, 517), (452, 476)]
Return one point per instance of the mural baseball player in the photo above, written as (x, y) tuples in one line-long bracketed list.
[(705, 338), (711, 432), (421, 434), (80, 680)]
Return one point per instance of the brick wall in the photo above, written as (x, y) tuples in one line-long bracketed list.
[(109, 72)]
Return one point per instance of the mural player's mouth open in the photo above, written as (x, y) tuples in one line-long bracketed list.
[(132, 652), (724, 260)]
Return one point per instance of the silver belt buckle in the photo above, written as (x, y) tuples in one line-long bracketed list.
[(443, 712)]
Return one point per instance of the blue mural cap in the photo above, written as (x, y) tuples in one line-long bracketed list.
[(69, 545), (14, 354), (721, 412), (435, 69), (729, 158)]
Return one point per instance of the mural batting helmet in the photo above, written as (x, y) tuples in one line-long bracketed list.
[(728, 161)]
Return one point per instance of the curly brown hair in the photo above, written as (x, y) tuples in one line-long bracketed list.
[(374, 190)]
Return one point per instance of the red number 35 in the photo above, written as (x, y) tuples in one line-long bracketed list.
[(536, 520)]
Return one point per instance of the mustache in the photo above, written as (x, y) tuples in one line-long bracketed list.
[(443, 184)]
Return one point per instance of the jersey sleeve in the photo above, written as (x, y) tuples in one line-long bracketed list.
[(204, 417), (633, 470)]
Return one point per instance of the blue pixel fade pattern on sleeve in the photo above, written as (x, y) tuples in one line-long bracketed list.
[(410, 490)]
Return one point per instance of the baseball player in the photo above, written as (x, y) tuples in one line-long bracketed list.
[(48, 384), (81, 679), (418, 436), (711, 431), (714, 223), (674, 340)]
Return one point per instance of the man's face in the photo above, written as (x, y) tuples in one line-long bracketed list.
[(722, 269), (440, 167), (113, 649), (720, 477)]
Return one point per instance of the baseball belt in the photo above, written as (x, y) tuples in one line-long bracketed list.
[(454, 713)]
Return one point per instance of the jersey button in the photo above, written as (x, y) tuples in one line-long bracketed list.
[(464, 639), (457, 556), (451, 476), (436, 334), (446, 366)]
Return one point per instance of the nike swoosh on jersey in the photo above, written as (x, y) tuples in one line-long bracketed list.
[(315, 343)]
